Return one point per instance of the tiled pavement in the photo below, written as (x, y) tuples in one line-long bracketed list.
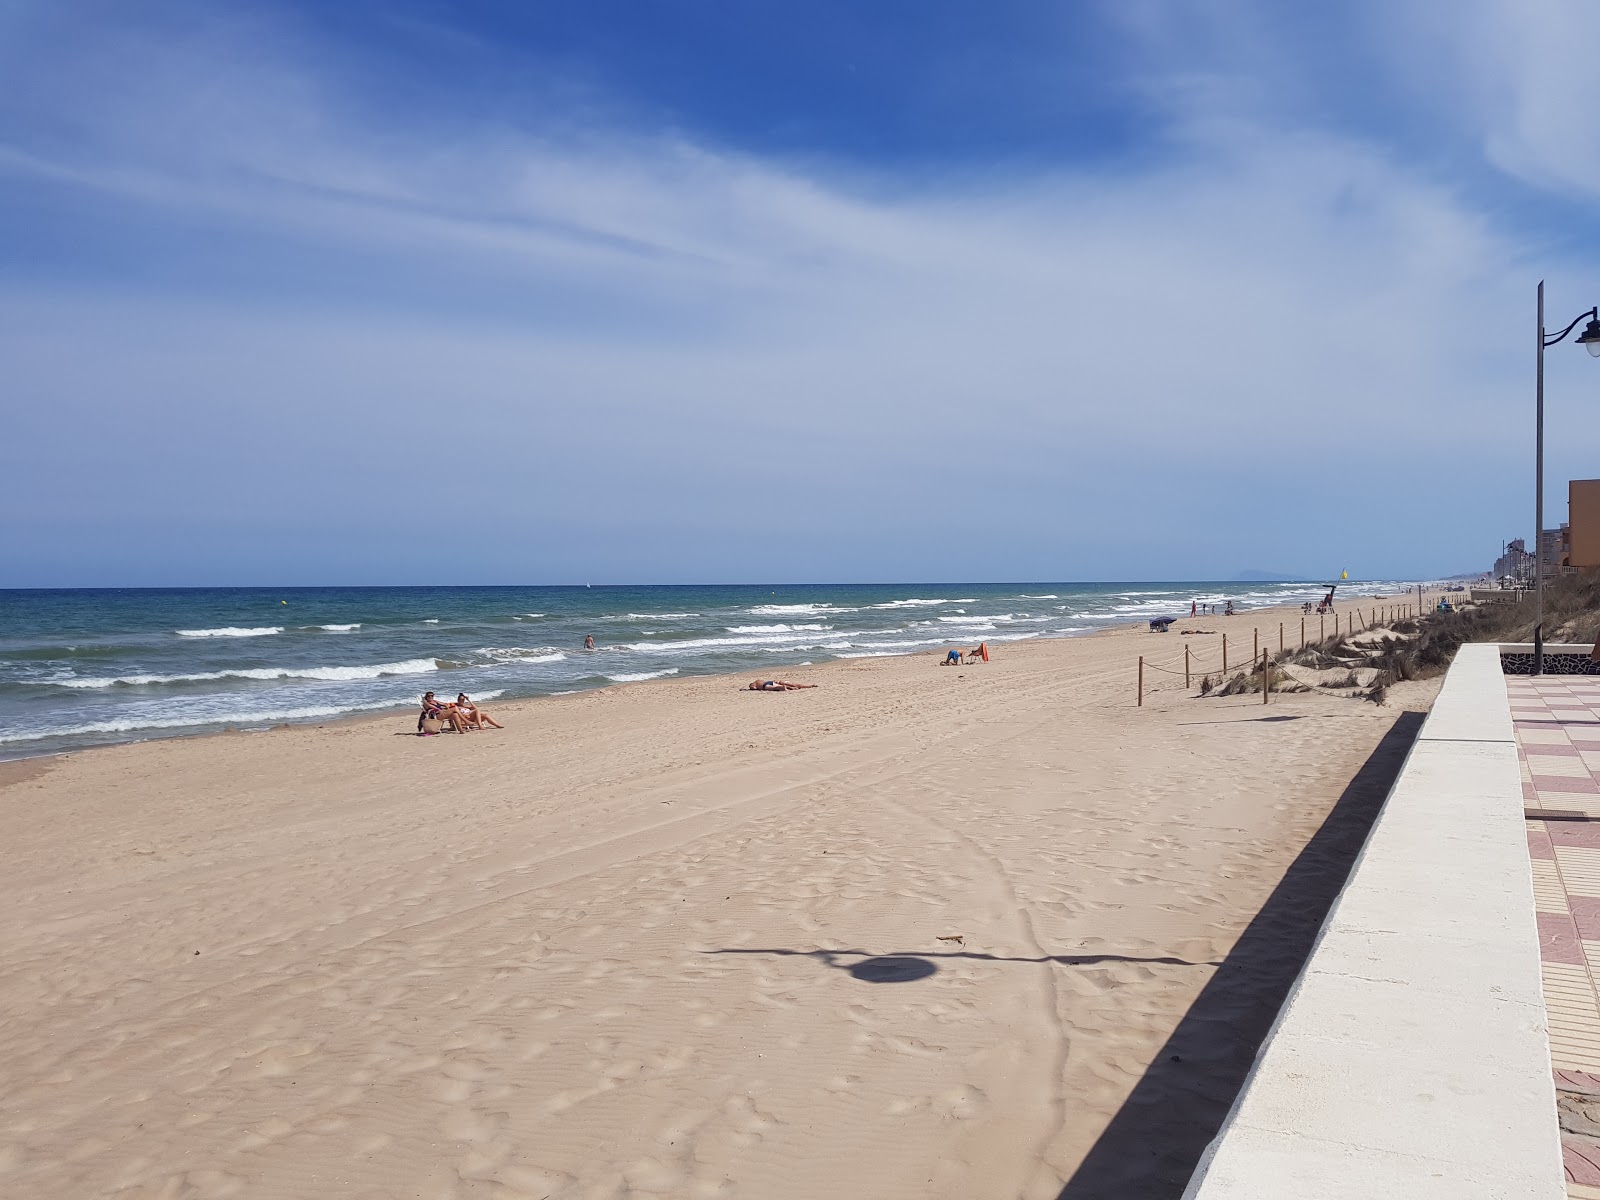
[(1557, 721)]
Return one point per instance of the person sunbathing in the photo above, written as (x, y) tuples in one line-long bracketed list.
[(777, 685), (473, 715), (437, 710)]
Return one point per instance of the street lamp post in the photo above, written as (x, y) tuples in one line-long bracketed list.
[(1590, 340)]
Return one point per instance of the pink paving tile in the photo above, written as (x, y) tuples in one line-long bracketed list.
[(1558, 939), (1539, 845), (1586, 916), (1563, 749), (1528, 794), (1577, 1081), (1584, 835), (1563, 783), (1581, 1158)]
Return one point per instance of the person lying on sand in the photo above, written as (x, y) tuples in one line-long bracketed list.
[(777, 685), (474, 715), (952, 659)]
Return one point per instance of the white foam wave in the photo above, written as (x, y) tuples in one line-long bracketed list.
[(637, 676), (771, 628), (917, 603), (430, 620), (520, 654), (687, 644), (336, 628), (796, 610), (411, 666), (1044, 597), (232, 631), (659, 616), (900, 646), (194, 721)]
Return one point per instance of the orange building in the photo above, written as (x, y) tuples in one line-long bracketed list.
[(1583, 519)]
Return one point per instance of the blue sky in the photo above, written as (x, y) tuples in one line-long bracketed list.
[(668, 292)]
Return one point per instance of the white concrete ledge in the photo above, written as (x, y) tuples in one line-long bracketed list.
[(1411, 1058)]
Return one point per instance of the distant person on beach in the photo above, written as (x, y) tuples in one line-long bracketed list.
[(1228, 612), (1193, 606), (474, 715), (588, 641), (952, 659), (777, 685)]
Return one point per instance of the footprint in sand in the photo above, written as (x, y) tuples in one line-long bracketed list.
[(963, 1102), (467, 1125), (749, 1123)]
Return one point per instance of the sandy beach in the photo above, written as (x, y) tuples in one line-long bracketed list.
[(990, 931)]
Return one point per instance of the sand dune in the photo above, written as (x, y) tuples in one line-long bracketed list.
[(917, 932)]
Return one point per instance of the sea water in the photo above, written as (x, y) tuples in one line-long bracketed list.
[(87, 667)]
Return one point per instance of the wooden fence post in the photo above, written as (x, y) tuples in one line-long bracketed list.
[(1302, 633), (1322, 628), (1280, 637), (1141, 681), (1224, 653), (1255, 643), (1266, 679), (1186, 664)]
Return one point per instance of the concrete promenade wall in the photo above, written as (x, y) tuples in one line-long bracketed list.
[(1411, 1058)]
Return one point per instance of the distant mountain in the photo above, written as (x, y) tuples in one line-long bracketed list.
[(1267, 577)]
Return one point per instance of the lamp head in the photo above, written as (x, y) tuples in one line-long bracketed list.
[(1589, 339)]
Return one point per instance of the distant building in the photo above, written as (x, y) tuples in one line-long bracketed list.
[(1583, 525), (1516, 564), (1552, 551)]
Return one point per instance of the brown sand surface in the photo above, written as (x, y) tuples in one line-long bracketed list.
[(918, 932)]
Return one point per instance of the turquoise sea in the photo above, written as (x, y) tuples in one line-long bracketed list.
[(86, 667)]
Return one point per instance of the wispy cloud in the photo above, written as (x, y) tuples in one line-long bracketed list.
[(987, 347)]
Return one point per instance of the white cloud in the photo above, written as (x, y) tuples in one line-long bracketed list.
[(695, 316)]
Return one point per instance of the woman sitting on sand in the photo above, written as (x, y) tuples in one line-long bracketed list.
[(473, 715), (435, 710), (777, 685)]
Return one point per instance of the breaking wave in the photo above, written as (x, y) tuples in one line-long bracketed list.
[(233, 631)]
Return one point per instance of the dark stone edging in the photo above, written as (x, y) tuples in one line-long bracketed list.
[(1554, 664)]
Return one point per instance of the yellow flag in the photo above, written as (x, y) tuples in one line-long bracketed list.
[(1344, 574)]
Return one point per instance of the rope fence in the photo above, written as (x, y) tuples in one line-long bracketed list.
[(1261, 659)]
